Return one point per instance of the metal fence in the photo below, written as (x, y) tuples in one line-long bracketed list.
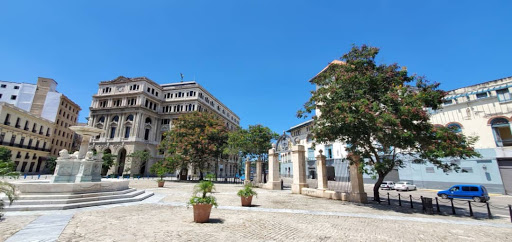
[(443, 206)]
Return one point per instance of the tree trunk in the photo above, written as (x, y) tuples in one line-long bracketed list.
[(376, 187)]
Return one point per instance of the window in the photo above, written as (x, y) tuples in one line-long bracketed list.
[(115, 119), (448, 102), (127, 132), (13, 97), (481, 95), (3, 86), (328, 151), (146, 134), (22, 140), (17, 123), (129, 118), (503, 95), (6, 121), (13, 138), (455, 127), (148, 120), (112, 132), (16, 87), (101, 119), (501, 132), (429, 170), (311, 154)]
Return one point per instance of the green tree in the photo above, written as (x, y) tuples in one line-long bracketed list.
[(7, 168), (50, 164), (253, 142), (108, 161), (140, 158), (381, 112), (196, 139)]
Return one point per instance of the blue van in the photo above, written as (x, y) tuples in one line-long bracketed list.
[(465, 191)]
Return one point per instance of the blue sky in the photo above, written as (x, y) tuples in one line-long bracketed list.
[(254, 56)]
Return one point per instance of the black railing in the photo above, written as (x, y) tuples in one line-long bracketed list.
[(23, 146)]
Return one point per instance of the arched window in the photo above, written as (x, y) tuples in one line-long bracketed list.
[(501, 132), (115, 119), (129, 118), (101, 119), (148, 120), (455, 127)]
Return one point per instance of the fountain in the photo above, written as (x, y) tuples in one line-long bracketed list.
[(76, 182)]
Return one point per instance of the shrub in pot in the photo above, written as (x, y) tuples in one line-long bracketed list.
[(246, 194), (202, 204), (160, 169)]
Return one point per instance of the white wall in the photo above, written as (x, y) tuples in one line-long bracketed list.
[(51, 106)]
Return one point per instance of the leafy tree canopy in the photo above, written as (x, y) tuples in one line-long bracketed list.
[(381, 112), (195, 138)]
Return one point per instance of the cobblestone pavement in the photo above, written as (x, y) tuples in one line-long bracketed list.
[(276, 216)]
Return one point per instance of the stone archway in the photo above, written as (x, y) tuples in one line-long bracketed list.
[(121, 159)]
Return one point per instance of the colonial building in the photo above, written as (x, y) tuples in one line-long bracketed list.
[(43, 100), (483, 110), (27, 136), (135, 113)]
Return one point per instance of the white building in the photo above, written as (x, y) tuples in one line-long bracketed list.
[(20, 95), (135, 112)]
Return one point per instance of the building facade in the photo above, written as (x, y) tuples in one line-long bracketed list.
[(44, 101), (136, 112), (27, 136)]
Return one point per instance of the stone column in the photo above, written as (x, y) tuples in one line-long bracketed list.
[(247, 172), (356, 181), (299, 168), (257, 179), (321, 171), (84, 146), (273, 182)]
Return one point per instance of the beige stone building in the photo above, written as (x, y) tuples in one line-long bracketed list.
[(27, 136), (55, 106), (135, 112)]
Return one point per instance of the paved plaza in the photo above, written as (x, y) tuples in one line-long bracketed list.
[(276, 216)]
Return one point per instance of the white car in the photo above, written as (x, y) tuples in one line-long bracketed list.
[(404, 186), (387, 185)]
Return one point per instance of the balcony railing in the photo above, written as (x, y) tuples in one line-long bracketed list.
[(23, 146)]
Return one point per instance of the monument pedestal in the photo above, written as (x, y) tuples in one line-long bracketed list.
[(356, 181)]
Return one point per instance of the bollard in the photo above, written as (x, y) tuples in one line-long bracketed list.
[(422, 204), (470, 209), (389, 202), (510, 212), (453, 208), (437, 205), (489, 215), (399, 200), (410, 197)]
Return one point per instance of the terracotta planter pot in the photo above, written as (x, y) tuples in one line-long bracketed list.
[(246, 201), (161, 183), (202, 212)]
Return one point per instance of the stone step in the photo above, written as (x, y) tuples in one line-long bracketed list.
[(34, 196), (132, 193), (135, 198)]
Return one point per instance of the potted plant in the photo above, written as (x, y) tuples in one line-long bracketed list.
[(160, 169), (203, 203), (246, 194)]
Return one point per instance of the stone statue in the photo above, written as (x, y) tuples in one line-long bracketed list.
[(63, 154)]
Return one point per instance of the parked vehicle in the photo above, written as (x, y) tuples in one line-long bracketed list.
[(464, 191), (404, 186), (389, 185)]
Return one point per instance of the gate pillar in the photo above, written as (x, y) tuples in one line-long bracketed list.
[(299, 168)]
